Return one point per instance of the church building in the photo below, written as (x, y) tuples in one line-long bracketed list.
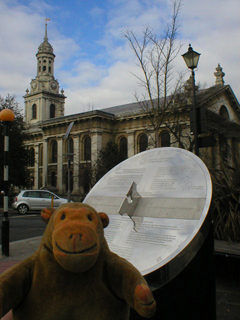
[(128, 125)]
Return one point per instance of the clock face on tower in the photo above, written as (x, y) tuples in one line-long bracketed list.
[(53, 85)]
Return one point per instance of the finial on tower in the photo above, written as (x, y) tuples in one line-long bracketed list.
[(46, 38), (219, 75)]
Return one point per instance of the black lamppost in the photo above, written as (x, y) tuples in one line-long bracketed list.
[(6, 116), (191, 59)]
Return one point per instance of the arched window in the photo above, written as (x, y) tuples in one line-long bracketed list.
[(143, 142), (34, 111), (52, 111), (40, 180), (86, 179), (165, 139), (123, 148), (32, 157), (224, 112), (54, 151), (87, 148), (40, 156), (44, 68), (49, 69), (53, 179)]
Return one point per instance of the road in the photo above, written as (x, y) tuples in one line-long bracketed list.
[(23, 226)]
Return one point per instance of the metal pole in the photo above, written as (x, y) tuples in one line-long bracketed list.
[(69, 161), (5, 221), (195, 114)]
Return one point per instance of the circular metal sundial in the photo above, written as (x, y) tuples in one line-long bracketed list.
[(158, 203)]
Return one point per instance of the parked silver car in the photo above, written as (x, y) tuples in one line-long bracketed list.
[(36, 200)]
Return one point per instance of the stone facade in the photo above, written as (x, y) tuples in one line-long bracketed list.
[(46, 127)]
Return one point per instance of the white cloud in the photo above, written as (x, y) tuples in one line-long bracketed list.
[(117, 85)]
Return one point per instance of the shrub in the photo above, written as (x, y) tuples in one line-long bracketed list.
[(226, 203)]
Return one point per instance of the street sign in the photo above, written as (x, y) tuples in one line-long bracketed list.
[(68, 130)]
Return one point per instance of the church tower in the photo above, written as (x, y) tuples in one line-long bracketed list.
[(44, 101)]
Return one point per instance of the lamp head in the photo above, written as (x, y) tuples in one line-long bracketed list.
[(191, 58), (6, 115)]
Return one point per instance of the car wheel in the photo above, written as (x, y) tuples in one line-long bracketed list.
[(22, 208)]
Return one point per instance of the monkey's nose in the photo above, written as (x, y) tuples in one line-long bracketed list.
[(73, 235), (75, 238)]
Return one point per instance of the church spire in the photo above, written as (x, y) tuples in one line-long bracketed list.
[(44, 101)]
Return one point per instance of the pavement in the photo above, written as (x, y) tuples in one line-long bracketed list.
[(227, 290)]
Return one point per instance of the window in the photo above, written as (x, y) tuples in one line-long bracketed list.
[(86, 178), (48, 195), (40, 179), (87, 148), (49, 69), (123, 148), (52, 111), (224, 112), (54, 151), (40, 156), (32, 157), (165, 139), (53, 179), (32, 194), (34, 111), (143, 142)]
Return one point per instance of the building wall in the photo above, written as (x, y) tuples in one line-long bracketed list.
[(101, 129)]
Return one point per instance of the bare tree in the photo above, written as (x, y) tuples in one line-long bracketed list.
[(155, 56)]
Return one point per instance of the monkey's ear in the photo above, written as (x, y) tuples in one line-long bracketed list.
[(104, 217), (46, 214)]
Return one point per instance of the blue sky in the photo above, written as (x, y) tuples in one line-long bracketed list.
[(94, 63)]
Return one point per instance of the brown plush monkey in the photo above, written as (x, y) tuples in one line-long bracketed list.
[(74, 275)]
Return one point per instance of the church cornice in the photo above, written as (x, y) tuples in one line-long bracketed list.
[(46, 94), (79, 117)]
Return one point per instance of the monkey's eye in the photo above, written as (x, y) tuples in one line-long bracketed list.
[(63, 216), (89, 217)]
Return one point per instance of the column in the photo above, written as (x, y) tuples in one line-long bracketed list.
[(60, 165), (45, 162), (131, 144), (76, 162), (96, 144)]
